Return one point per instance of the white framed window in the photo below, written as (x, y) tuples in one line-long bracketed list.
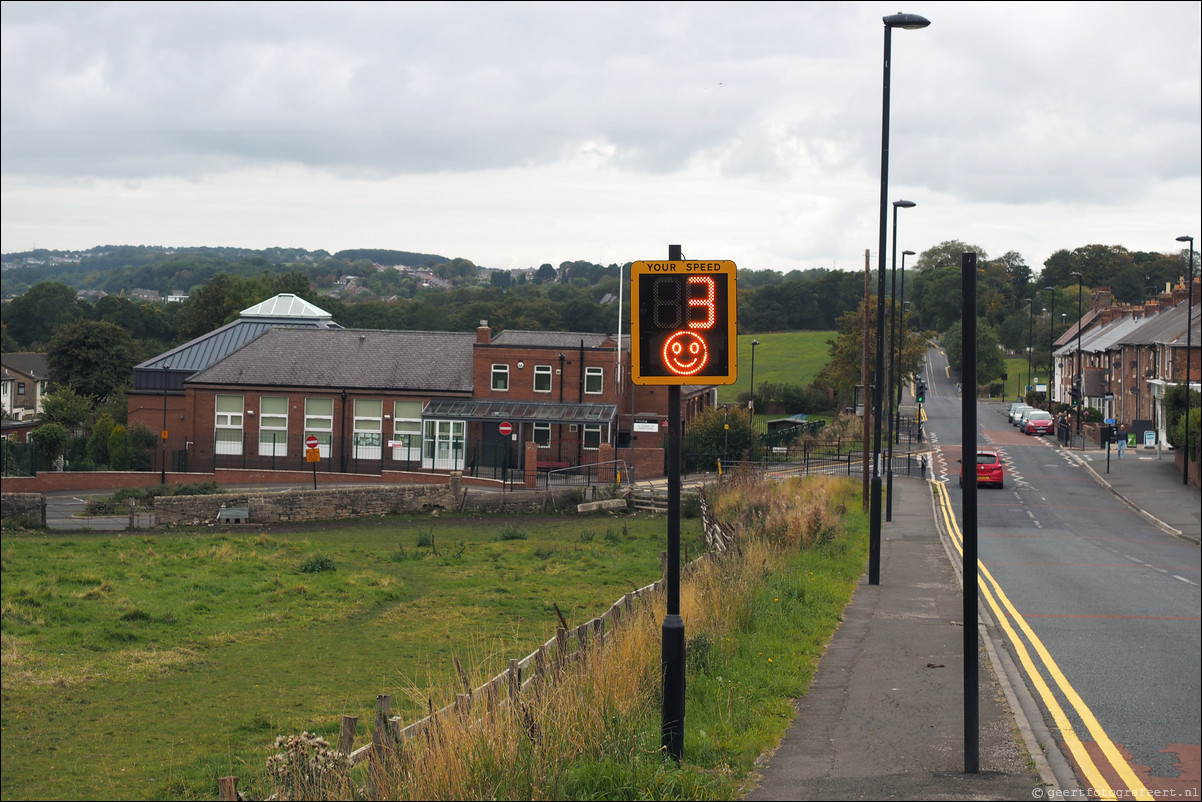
[(406, 443), (542, 434), (227, 424), (592, 436), (273, 426), (319, 423), (594, 379), (500, 378), (369, 419), (542, 378)]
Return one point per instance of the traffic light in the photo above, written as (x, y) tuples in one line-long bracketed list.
[(1076, 396), (921, 391)]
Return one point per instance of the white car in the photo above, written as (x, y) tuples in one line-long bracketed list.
[(1016, 411)]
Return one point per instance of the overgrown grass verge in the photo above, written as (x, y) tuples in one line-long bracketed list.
[(757, 622)]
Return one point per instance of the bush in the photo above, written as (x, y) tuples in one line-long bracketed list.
[(510, 532), (316, 564)]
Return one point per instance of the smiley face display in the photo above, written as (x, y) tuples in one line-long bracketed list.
[(685, 353)]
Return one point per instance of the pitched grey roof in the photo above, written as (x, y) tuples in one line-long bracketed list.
[(416, 361), (28, 363), (1165, 327), (184, 360)]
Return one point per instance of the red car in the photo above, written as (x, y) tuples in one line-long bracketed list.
[(989, 469), (1039, 423)]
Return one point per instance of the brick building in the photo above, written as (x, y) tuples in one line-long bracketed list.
[(250, 394)]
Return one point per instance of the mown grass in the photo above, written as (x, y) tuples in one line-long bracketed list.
[(146, 666)]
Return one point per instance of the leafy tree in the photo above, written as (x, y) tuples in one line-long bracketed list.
[(92, 357), (33, 317), (98, 442), (544, 274), (990, 364), (64, 405), (707, 438), (51, 441), (120, 452)]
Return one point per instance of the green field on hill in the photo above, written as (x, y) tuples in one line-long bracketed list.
[(785, 357)]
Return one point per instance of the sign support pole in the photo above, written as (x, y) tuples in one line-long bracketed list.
[(673, 645)]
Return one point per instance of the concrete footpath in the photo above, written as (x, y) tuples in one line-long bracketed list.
[(884, 716)]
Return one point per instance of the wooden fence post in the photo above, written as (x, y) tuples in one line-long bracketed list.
[(379, 733), (515, 680), (227, 789), (561, 648), (346, 735)]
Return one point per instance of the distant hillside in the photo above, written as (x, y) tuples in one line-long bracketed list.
[(116, 269)]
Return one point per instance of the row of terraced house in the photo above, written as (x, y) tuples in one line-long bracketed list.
[(1128, 356)]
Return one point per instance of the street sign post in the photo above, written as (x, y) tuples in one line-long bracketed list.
[(312, 455)]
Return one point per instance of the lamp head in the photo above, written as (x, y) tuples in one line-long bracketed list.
[(907, 253), (1188, 239), (907, 22), (904, 204)]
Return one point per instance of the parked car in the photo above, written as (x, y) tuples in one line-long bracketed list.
[(1016, 408), (1039, 422), (1022, 419), (990, 470), (1016, 412)]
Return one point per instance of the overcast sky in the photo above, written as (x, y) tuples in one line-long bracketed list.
[(516, 134)]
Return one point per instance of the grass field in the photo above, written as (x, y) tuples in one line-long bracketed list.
[(145, 666), (788, 357)]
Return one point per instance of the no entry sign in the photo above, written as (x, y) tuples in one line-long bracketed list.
[(311, 441), (506, 428)]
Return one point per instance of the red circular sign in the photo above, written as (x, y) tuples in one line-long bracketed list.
[(506, 428), (311, 441)]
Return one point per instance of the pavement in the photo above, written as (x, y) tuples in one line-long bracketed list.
[(883, 718)]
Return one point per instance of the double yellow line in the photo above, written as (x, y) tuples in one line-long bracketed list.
[(1003, 611)]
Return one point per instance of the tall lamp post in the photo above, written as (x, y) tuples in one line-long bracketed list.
[(163, 434), (1030, 334), (906, 22), (893, 346), (1189, 347), (1079, 379), (901, 335), (1051, 361), (751, 417)]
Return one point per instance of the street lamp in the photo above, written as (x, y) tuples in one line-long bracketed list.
[(751, 417), (1079, 379), (1051, 361), (1189, 346), (163, 466), (893, 345), (1030, 334), (901, 334), (906, 22)]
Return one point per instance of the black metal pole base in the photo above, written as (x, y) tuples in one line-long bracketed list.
[(673, 666)]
